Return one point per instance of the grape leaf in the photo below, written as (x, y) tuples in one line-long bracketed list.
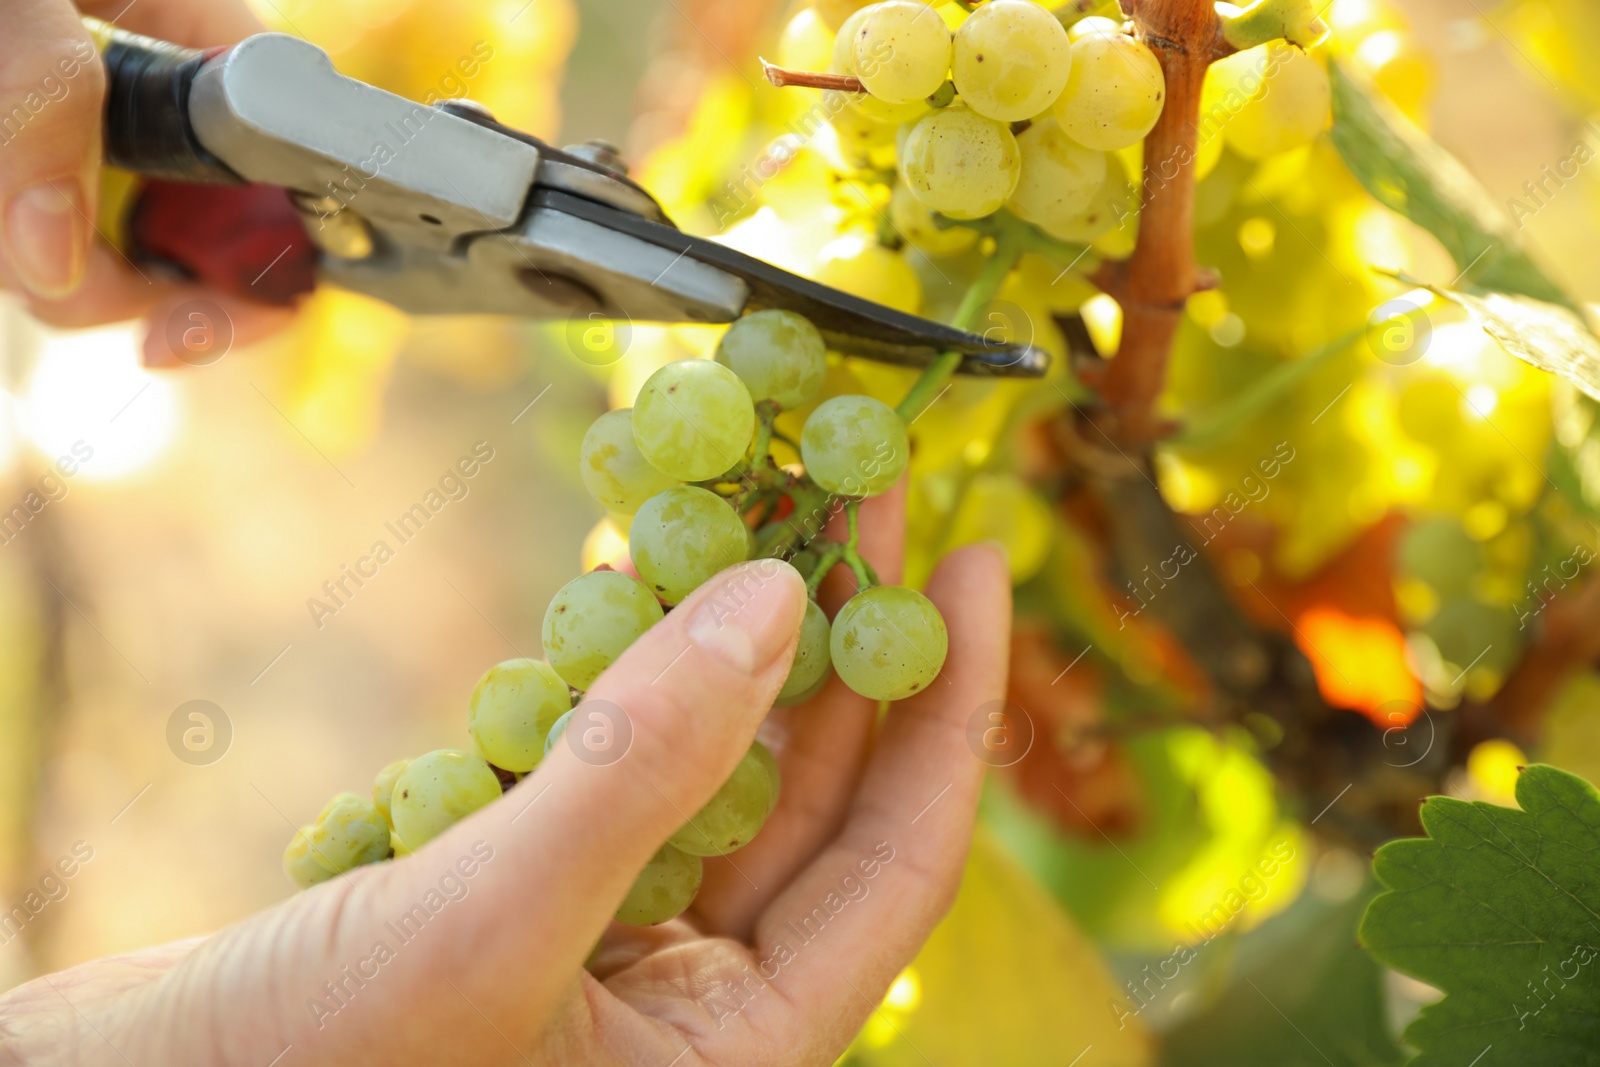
[(1549, 336), (1410, 173), (1500, 909)]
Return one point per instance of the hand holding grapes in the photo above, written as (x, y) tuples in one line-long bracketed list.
[(870, 835)]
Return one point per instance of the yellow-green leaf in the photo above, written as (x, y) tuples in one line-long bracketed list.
[(1005, 981)]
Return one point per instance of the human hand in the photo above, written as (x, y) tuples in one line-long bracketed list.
[(52, 92), (513, 957)]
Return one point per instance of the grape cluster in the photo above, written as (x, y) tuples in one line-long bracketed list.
[(689, 472), (1014, 106)]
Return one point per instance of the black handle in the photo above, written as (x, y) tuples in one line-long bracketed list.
[(147, 128)]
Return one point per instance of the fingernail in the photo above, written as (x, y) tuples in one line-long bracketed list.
[(749, 614), (46, 237)]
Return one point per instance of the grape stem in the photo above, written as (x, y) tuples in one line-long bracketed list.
[(826, 559), (813, 506), (1295, 21), (783, 78), (866, 577), (1031, 238), (1010, 241)]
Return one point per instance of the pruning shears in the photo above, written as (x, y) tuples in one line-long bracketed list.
[(265, 172)]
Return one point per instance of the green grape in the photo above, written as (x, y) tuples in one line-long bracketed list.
[(735, 813), (1441, 553), (1114, 93), (900, 50), (1112, 206), (863, 141), (383, 787), (349, 832), (866, 105), (855, 446), (684, 536), (888, 642), (778, 355), (300, 865), (693, 420), (763, 756), (1093, 24), (872, 109), (437, 791), (810, 667), (1292, 106), (558, 729), (1012, 60), (512, 708), (592, 620), (959, 163), (859, 265), (913, 220), (612, 468), (1060, 178), (663, 890)]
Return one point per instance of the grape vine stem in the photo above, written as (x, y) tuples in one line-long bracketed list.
[(1153, 284)]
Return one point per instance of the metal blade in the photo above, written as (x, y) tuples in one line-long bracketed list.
[(851, 325)]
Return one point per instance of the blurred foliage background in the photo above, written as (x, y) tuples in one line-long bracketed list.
[(176, 562)]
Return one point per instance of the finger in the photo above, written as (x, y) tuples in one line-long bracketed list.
[(876, 893), (567, 842), (51, 89), (821, 747), (111, 291)]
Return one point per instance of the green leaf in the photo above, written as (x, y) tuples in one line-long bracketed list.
[(1412, 174), (1549, 336), (1309, 998), (1500, 909)]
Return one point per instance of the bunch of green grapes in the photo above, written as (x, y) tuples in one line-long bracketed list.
[(1010, 107), (689, 471)]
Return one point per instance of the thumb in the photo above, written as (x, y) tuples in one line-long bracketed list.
[(52, 88)]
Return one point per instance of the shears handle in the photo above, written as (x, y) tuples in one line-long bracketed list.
[(166, 202)]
